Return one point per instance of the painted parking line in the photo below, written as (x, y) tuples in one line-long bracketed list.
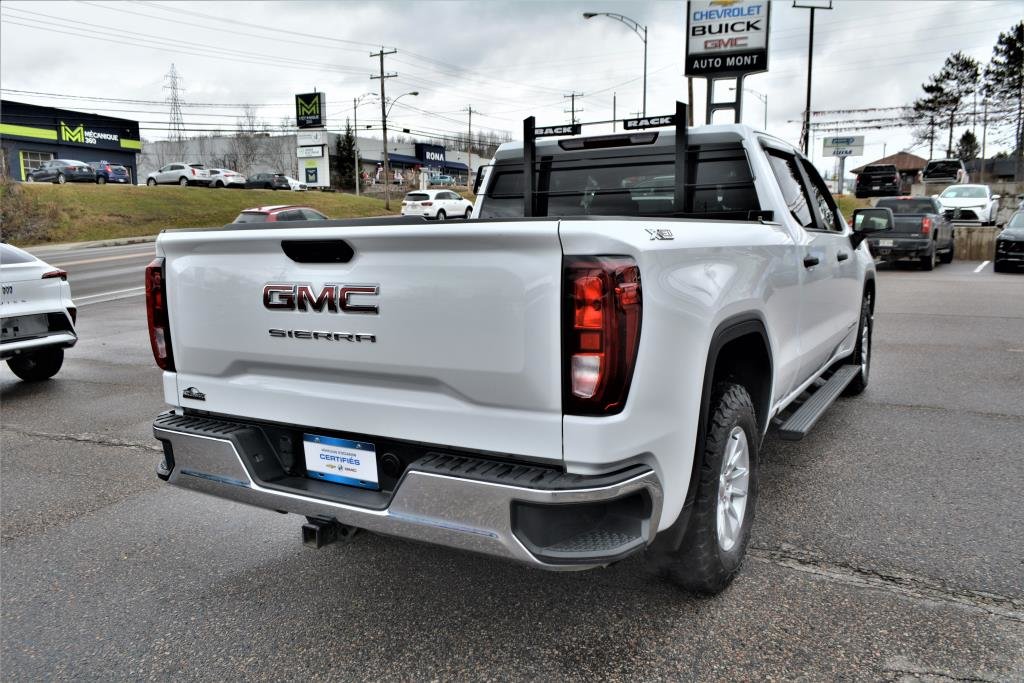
[(108, 296), (981, 267)]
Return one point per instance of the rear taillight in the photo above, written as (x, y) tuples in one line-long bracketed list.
[(156, 312), (926, 225), (426, 203), (62, 274), (601, 333), (193, 171)]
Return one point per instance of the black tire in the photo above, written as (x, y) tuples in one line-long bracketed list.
[(701, 564), (469, 214), (101, 180), (60, 179), (30, 179), (999, 267), (441, 215), (947, 256), (151, 182), (862, 351), (928, 260), (37, 366), (183, 181)]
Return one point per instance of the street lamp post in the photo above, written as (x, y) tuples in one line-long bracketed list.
[(764, 100), (641, 32), (384, 111), (355, 130)]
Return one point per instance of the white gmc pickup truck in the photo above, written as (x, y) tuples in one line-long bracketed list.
[(584, 371)]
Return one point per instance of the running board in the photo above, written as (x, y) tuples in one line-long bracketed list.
[(801, 422)]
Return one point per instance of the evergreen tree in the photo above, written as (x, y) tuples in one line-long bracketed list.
[(948, 92), (347, 158), (967, 149), (1004, 85)]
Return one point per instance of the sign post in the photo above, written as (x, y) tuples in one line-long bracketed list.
[(842, 146), (726, 39), (311, 141)]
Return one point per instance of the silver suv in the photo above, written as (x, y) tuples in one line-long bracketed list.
[(180, 173)]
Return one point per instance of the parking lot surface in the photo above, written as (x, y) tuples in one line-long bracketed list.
[(888, 543)]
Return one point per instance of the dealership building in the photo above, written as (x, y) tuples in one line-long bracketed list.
[(31, 134)]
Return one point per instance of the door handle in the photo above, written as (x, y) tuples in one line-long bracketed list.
[(843, 255), (811, 261)]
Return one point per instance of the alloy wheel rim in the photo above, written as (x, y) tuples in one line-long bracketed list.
[(733, 485), (865, 344)]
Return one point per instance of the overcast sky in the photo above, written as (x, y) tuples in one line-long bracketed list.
[(507, 60)]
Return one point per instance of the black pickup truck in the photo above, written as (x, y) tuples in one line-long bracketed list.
[(878, 180), (921, 232)]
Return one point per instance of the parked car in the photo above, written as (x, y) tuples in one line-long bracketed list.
[(39, 315), (62, 171), (878, 180), (921, 232), (945, 171), (225, 177), (295, 185), (556, 390), (268, 181), (970, 204), (436, 204), (180, 173), (1010, 245), (107, 172), (278, 213), (442, 179)]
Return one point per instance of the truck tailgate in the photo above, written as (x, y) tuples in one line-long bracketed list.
[(462, 351)]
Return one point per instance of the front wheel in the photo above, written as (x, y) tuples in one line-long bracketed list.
[(862, 351), (716, 538), (151, 182), (441, 215), (37, 366), (469, 214), (30, 179), (60, 180), (100, 180), (999, 267)]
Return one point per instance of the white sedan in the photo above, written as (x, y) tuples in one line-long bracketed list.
[(39, 315), (970, 204), (438, 204)]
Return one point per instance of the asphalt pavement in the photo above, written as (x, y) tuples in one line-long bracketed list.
[(888, 544), (100, 274)]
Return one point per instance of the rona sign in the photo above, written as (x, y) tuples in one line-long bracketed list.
[(726, 37), (309, 110)]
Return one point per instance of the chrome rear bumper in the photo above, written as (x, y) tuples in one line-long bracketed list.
[(449, 510)]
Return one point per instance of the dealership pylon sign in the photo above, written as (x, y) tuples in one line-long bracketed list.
[(726, 39)]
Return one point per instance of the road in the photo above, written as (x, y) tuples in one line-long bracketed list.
[(887, 546), (101, 274)]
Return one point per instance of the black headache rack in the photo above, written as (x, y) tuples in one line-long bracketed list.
[(639, 138)]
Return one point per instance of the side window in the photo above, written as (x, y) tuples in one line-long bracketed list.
[(310, 215), (827, 208), (793, 191), (176, 167), (290, 216)]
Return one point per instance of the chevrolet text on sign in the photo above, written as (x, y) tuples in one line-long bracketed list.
[(726, 37)]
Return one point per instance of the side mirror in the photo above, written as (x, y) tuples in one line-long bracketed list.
[(997, 196), (935, 196), (870, 221), (481, 175)]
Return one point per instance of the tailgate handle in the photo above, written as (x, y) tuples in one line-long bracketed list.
[(317, 251)]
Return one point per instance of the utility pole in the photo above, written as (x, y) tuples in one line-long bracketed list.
[(614, 97), (805, 134), (984, 131), (469, 148), (931, 138), (572, 104), (384, 121), (355, 133)]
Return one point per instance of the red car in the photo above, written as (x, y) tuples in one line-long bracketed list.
[(277, 213)]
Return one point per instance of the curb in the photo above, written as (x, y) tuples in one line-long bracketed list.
[(117, 242)]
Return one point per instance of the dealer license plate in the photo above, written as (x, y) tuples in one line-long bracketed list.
[(353, 463), (885, 243), (876, 187)]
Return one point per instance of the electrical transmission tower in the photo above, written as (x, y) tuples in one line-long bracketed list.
[(176, 125)]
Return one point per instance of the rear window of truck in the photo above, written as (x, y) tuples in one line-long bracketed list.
[(719, 186), (880, 169), (915, 206)]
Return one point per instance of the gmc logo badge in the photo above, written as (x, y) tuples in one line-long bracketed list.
[(331, 298)]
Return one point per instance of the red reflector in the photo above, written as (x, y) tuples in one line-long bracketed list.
[(156, 314), (926, 225), (62, 274), (601, 333)]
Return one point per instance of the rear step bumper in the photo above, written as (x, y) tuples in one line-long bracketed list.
[(564, 522)]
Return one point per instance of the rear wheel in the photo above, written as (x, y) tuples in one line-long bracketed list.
[(60, 180), (151, 182), (862, 351), (928, 260), (37, 366), (441, 215), (947, 257), (101, 180), (183, 181), (716, 538)]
